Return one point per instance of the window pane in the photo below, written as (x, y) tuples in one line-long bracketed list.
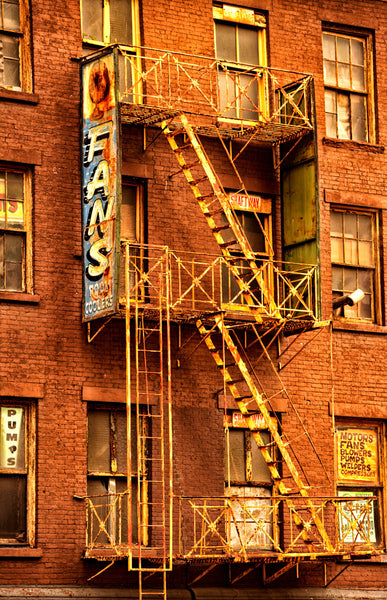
[(11, 15), (331, 122), (253, 231), (121, 22), (358, 109), (236, 457), (350, 252), (365, 254), (249, 97), (337, 250), (128, 213), (10, 46), (329, 73), (92, 15), (350, 280), (13, 507), (343, 76), (358, 79), (15, 186), (98, 450), (225, 41), (336, 223), (343, 117), (365, 227), (15, 214), (260, 470), (12, 440), (337, 279), (14, 253), (343, 49), (227, 93), (330, 101), (2, 266), (357, 52), (120, 439), (365, 280), (350, 226), (14, 248), (365, 307), (11, 73), (329, 49), (248, 45)]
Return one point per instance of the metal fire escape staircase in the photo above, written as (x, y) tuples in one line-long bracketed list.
[(221, 219)]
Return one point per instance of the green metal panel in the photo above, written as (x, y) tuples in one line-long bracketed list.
[(300, 208)]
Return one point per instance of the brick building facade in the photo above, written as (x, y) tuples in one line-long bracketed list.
[(191, 193)]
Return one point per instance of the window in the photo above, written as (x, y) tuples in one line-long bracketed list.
[(15, 68), (107, 22), (354, 261), (15, 242), (240, 43), (17, 514), (255, 220), (249, 484), (348, 85), (359, 452), (107, 476), (132, 230)]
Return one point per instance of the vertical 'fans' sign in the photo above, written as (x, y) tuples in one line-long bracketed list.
[(101, 186)]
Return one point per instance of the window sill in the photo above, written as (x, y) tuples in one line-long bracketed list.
[(358, 326), (15, 96), (20, 552), (352, 145), (19, 297)]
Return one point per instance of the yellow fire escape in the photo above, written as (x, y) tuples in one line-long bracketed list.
[(178, 94)]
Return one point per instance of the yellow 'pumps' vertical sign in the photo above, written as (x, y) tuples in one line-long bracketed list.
[(357, 454), (101, 184)]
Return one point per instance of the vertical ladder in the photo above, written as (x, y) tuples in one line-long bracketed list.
[(221, 218), (149, 394)]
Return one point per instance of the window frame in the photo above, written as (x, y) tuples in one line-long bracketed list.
[(368, 93), (95, 44), (24, 37), (94, 474), (29, 471), (241, 17), (376, 488), (343, 312), (26, 231)]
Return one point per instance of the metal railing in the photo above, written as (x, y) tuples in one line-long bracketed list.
[(241, 527), (200, 282), (203, 85)]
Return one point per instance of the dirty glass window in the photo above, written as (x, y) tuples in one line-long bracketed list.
[(14, 230), (14, 35), (244, 463), (354, 260), (240, 49), (107, 22), (347, 87), (16, 469), (107, 475), (359, 482)]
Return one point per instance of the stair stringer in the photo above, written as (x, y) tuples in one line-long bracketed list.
[(256, 404)]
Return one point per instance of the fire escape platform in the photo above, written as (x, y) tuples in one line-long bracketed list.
[(261, 132)]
